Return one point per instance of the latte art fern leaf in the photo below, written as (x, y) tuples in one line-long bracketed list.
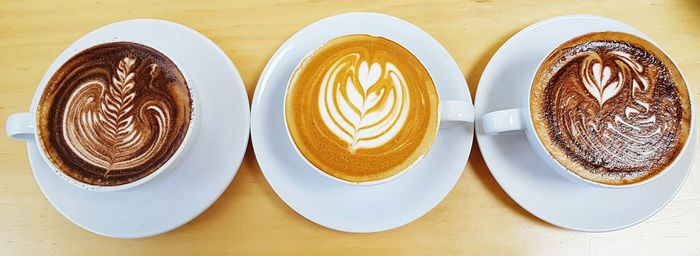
[(104, 127), (116, 109), (114, 114)]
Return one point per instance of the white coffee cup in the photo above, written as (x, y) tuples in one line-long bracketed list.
[(23, 126), (451, 114), (519, 120)]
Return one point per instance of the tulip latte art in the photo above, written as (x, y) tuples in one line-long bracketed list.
[(114, 114), (361, 108), (611, 107), (363, 115)]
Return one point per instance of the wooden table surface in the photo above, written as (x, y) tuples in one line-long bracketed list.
[(477, 217)]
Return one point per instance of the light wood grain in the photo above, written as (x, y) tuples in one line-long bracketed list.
[(477, 217)]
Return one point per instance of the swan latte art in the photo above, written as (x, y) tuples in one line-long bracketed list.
[(611, 107), (362, 108), (114, 113)]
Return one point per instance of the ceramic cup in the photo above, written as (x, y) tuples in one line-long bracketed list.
[(23, 126), (519, 120), (451, 114)]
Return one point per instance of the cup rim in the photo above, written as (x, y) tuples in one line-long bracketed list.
[(186, 141), (370, 182), (551, 159)]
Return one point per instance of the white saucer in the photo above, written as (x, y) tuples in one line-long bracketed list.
[(527, 179), (342, 206), (200, 175)]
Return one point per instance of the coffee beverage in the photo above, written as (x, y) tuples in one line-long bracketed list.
[(611, 108), (113, 114), (362, 108)]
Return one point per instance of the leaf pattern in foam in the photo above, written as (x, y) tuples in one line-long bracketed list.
[(118, 103), (107, 134), (598, 79), (363, 104)]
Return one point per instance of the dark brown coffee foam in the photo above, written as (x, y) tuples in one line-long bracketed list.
[(611, 107), (114, 113)]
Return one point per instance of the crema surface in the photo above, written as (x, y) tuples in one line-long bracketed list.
[(114, 113), (362, 108), (611, 107)]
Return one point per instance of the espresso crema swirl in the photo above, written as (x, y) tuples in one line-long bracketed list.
[(613, 108), (361, 108), (114, 113)]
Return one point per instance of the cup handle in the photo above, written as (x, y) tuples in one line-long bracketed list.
[(502, 121), (455, 113), (20, 126)]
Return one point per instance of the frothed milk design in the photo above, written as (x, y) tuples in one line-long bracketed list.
[(364, 104), (114, 113), (100, 123), (611, 107), (361, 108)]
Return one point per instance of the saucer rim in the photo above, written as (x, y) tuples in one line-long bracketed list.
[(268, 72), (32, 145), (693, 138)]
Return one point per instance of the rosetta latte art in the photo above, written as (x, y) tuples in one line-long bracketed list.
[(366, 105), (102, 124), (611, 110), (114, 114)]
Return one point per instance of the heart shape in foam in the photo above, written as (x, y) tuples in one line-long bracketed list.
[(368, 75), (598, 80)]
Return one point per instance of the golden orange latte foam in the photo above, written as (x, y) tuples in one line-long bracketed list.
[(362, 108)]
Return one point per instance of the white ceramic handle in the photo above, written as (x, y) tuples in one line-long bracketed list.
[(454, 113), (502, 121), (20, 126)]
